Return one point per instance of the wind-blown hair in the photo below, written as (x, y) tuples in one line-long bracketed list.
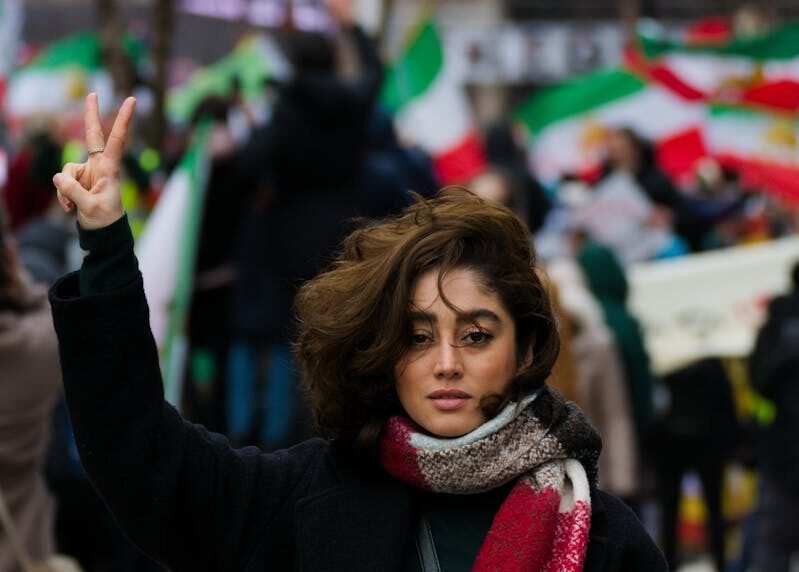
[(354, 318)]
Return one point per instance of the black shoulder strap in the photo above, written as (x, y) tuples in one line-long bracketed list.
[(425, 547)]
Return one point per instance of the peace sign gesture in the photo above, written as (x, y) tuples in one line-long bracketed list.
[(93, 187)]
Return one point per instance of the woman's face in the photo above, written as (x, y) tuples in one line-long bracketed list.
[(456, 357), (622, 151)]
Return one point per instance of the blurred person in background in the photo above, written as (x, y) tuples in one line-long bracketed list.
[(600, 383), (229, 188), (391, 170), (309, 160), (626, 152), (774, 371), (505, 153), (717, 197), (30, 383), (29, 190), (607, 281), (696, 431)]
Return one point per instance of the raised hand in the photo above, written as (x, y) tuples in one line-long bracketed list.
[(341, 10), (93, 187)]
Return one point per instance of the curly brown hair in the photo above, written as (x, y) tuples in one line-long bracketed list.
[(354, 318)]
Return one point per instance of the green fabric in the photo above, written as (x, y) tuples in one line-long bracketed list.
[(111, 263), (459, 524), (779, 44), (81, 50), (202, 364), (246, 62), (607, 281), (416, 69), (557, 102)]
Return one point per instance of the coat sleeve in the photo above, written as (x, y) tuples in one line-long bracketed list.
[(774, 357), (626, 546), (179, 491)]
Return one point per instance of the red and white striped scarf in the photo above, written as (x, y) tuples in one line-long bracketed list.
[(546, 445)]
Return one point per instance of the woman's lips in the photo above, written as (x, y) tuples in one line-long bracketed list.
[(449, 399)]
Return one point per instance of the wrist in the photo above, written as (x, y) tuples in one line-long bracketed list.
[(100, 219)]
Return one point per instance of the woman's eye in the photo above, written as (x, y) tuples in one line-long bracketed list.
[(420, 339), (478, 337)]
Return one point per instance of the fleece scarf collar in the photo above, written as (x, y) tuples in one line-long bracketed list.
[(545, 445)]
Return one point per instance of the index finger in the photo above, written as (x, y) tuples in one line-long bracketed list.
[(116, 140), (91, 123)]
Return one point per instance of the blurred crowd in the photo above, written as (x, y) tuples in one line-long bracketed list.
[(287, 180)]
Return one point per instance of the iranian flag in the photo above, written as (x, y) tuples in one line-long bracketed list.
[(430, 106), (761, 71), (567, 123), (167, 250), (751, 90), (761, 146)]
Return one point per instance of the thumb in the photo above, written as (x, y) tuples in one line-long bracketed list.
[(71, 189)]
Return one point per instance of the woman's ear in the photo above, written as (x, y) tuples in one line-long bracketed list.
[(527, 359)]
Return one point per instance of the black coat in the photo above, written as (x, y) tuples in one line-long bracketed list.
[(309, 157), (774, 369), (187, 498)]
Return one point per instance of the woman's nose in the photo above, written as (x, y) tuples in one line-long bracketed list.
[(448, 363)]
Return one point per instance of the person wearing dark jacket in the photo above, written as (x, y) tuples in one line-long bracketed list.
[(425, 350), (697, 431), (774, 368), (309, 159)]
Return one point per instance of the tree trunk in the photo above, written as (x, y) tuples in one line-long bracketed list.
[(114, 57), (629, 12), (382, 32), (163, 28)]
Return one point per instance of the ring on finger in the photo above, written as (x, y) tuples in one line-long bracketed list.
[(93, 150)]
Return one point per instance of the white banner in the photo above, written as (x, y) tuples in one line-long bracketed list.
[(708, 304)]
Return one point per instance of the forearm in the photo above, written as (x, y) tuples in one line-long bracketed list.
[(371, 75)]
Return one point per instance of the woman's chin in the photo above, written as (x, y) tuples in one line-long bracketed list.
[(450, 428)]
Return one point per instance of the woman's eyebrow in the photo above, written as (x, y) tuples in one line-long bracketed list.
[(478, 313), (419, 316), (463, 316)]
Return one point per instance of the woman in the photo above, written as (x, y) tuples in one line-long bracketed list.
[(425, 348)]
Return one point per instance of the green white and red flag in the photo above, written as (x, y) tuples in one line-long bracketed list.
[(750, 87), (431, 108), (761, 71), (567, 123), (733, 99)]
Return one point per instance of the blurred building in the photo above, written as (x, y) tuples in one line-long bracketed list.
[(499, 48)]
